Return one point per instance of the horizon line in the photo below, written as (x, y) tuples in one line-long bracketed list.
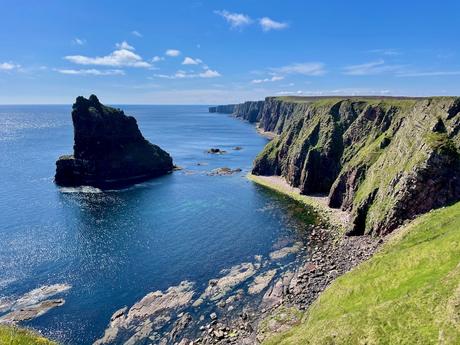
[(216, 104)]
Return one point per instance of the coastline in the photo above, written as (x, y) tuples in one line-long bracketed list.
[(266, 134), (328, 255), (337, 218)]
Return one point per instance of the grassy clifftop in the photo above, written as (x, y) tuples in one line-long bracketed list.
[(10, 335), (408, 293)]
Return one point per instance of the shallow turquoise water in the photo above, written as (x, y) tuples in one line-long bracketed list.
[(115, 247)]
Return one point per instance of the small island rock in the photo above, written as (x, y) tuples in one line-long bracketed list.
[(109, 149)]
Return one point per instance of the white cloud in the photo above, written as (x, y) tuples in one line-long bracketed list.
[(118, 58), (341, 92), (208, 73), (267, 80), (136, 33), (91, 72), (124, 45), (292, 93), (157, 58), (173, 52), (79, 41), (307, 68), (8, 66), (429, 74), (236, 20), (191, 61), (372, 68), (380, 67), (268, 24), (177, 75), (387, 51)]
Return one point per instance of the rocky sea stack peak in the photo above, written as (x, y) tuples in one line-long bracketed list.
[(109, 149)]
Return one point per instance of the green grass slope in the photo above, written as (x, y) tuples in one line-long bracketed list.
[(408, 293), (10, 335)]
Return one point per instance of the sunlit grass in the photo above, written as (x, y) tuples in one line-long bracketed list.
[(11, 335), (408, 293)]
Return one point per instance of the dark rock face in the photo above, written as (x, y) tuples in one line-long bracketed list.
[(248, 111), (109, 149), (385, 160), (223, 109), (276, 113)]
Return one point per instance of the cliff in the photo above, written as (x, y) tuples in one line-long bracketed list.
[(385, 160), (109, 149), (223, 109), (248, 111)]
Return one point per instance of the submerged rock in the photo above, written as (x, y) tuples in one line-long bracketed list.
[(224, 171), (41, 293), (32, 304), (218, 288), (31, 311), (261, 282), (281, 253), (151, 313), (109, 149)]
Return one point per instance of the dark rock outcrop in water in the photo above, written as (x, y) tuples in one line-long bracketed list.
[(385, 160), (109, 149)]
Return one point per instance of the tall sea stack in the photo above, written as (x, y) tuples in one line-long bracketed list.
[(109, 149)]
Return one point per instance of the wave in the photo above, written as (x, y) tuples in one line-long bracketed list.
[(81, 189)]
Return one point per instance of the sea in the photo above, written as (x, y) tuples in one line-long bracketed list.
[(114, 247)]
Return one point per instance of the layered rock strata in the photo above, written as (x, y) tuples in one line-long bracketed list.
[(385, 160)]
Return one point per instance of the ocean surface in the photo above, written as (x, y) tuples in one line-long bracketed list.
[(115, 247)]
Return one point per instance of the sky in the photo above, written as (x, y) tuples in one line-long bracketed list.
[(222, 51)]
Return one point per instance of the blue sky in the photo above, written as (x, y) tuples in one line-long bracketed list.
[(208, 52)]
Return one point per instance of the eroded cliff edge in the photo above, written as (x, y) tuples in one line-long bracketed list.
[(109, 149), (385, 160)]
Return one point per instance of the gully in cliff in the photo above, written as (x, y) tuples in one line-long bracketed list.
[(109, 149)]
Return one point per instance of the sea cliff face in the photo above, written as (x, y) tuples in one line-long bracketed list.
[(249, 111), (109, 149), (223, 109), (276, 113), (385, 160)]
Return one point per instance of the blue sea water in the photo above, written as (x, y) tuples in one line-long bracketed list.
[(115, 247)]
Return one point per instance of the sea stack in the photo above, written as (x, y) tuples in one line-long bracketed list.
[(109, 149)]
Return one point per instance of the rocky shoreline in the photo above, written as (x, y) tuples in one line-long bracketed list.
[(326, 256), (230, 314), (187, 311)]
